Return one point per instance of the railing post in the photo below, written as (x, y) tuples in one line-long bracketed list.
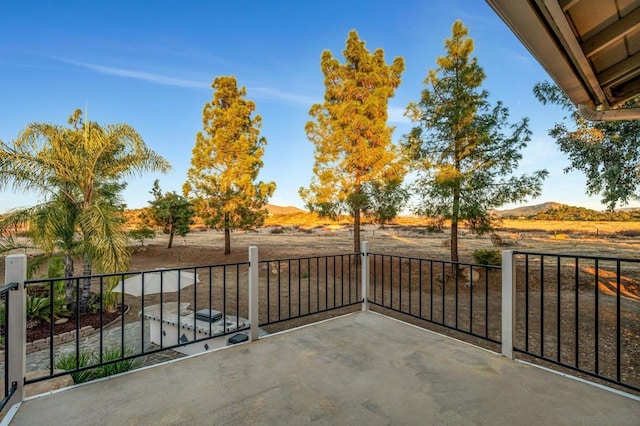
[(253, 293), (364, 253), (508, 303), (16, 272)]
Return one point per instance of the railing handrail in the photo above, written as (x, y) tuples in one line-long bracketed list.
[(436, 260), (309, 257), (578, 256), (12, 390), (131, 273), (7, 287)]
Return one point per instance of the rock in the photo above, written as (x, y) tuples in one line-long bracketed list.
[(61, 321), (45, 385), (469, 275)]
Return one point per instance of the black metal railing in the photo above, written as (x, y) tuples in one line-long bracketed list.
[(299, 287), (461, 296), (181, 308), (8, 388), (578, 312), (581, 313)]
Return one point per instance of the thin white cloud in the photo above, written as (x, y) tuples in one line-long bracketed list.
[(396, 115), (262, 92), (141, 75)]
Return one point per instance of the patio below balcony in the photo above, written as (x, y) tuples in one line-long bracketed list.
[(363, 368)]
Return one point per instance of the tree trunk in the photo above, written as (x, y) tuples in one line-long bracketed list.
[(69, 288), (170, 239), (454, 224), (227, 235), (356, 230), (455, 208), (86, 284)]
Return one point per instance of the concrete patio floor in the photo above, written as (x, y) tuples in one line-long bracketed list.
[(363, 368)]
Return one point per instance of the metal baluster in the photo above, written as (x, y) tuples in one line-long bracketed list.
[(558, 313), (596, 314), (542, 306)]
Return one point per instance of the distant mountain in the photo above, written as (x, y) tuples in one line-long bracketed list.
[(273, 209), (525, 211), (628, 209)]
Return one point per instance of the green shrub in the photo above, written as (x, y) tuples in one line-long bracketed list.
[(123, 366), (87, 358), (435, 226), (487, 256), (38, 308), (141, 234), (68, 362)]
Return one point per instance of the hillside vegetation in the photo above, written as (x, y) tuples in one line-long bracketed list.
[(548, 216), (581, 213), (557, 211), (527, 211)]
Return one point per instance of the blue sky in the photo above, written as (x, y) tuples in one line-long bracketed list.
[(151, 64)]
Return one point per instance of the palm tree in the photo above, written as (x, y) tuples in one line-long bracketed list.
[(52, 229), (79, 172)]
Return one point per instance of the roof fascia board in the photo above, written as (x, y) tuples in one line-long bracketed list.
[(575, 50)]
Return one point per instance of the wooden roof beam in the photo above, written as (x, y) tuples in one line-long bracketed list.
[(612, 33)]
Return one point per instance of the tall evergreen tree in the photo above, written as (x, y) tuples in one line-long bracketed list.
[(170, 211), (226, 161), (353, 146), (460, 147), (607, 152)]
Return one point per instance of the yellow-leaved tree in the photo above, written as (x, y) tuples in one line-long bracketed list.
[(354, 154), (226, 161)]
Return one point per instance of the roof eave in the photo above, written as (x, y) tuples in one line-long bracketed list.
[(544, 35)]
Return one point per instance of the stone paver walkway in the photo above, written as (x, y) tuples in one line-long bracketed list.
[(111, 337)]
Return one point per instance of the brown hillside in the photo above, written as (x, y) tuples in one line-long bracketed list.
[(526, 211), (273, 209)]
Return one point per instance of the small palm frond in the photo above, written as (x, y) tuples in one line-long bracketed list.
[(105, 241)]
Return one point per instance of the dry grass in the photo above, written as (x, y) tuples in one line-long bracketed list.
[(303, 220), (310, 220), (568, 227)]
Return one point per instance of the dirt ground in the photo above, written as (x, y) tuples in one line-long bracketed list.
[(393, 239), (207, 248), (292, 293)]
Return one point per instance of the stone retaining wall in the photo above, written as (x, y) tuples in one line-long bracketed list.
[(42, 344)]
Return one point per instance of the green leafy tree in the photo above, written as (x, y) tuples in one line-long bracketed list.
[(142, 233), (463, 148), (79, 173), (170, 211), (385, 200), (226, 161), (607, 152), (353, 147)]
